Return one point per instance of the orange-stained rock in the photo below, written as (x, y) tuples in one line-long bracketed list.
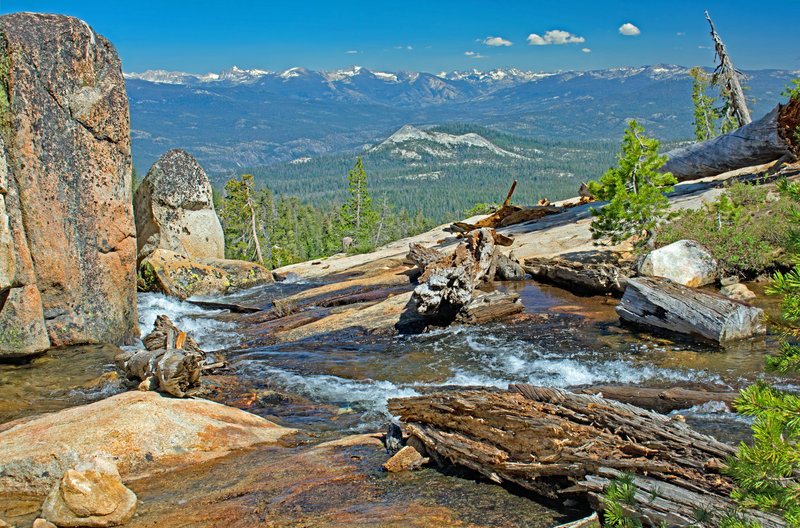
[(66, 221), (144, 433), (180, 276)]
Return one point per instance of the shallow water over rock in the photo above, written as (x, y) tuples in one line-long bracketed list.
[(337, 384)]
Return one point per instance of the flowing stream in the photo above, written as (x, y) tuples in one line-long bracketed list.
[(340, 383), (333, 385)]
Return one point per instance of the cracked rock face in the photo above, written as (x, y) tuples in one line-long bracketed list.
[(174, 210), (67, 238)]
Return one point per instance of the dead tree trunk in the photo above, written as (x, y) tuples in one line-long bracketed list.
[(170, 363), (762, 141), (447, 284), (554, 442), (730, 76)]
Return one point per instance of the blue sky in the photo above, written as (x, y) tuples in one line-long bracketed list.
[(201, 36)]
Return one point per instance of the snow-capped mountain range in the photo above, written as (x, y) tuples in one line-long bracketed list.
[(236, 75), (240, 118)]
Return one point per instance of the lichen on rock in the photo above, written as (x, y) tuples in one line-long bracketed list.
[(67, 239)]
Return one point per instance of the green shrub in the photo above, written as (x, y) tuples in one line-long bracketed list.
[(744, 229), (768, 469), (634, 191), (481, 209)]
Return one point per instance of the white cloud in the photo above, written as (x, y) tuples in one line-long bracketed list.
[(680, 33), (586, 50), (554, 36), (409, 47), (629, 30), (351, 51), (496, 41), (474, 55), (536, 40), (404, 47)]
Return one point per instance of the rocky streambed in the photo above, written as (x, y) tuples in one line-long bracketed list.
[(320, 353), (333, 388)]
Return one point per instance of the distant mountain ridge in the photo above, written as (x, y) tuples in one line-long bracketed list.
[(238, 117)]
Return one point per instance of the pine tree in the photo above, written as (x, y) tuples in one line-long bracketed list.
[(241, 220), (358, 216), (634, 190), (768, 471), (704, 113)]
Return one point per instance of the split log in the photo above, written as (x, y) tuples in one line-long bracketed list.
[(231, 307), (660, 400), (421, 256), (170, 362), (554, 442), (762, 141), (661, 303), (489, 306), (165, 335)]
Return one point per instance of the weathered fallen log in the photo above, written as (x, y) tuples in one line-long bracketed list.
[(762, 141), (660, 400), (604, 272), (554, 442), (170, 362), (661, 303), (486, 307), (447, 284)]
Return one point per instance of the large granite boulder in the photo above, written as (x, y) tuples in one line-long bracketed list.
[(67, 239), (143, 432), (174, 210), (685, 262)]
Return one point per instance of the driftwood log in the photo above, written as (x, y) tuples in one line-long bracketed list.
[(486, 307), (447, 283), (170, 362), (554, 442), (660, 400), (768, 139), (661, 303), (507, 215), (604, 272)]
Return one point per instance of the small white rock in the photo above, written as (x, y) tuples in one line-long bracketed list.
[(685, 262)]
